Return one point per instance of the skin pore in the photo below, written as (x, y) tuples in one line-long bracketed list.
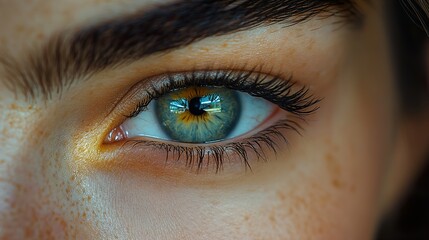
[(335, 180)]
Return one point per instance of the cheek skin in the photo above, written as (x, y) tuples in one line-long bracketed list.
[(325, 186), (40, 197), (312, 192), (328, 192), (16, 180)]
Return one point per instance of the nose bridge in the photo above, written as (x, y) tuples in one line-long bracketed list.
[(16, 181), (23, 200), (27, 209), (9, 187), (18, 196), (18, 202)]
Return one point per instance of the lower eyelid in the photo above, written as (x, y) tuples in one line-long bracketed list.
[(147, 154), (150, 158), (168, 158)]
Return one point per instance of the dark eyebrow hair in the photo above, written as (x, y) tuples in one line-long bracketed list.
[(67, 57)]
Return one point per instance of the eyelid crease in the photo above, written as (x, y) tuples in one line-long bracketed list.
[(68, 57), (269, 86), (295, 99)]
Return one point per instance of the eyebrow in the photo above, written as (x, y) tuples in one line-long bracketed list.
[(68, 57)]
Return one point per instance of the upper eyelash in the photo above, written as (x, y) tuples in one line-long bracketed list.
[(279, 91), (270, 87)]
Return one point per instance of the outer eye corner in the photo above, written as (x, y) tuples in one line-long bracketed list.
[(197, 115), (206, 118)]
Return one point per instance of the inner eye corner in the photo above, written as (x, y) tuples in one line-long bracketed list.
[(116, 134), (209, 113), (186, 116)]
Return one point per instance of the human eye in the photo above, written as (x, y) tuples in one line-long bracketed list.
[(202, 119)]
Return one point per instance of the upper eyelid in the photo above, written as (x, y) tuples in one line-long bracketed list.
[(196, 154), (259, 81), (129, 95), (64, 59)]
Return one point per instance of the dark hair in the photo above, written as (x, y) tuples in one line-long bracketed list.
[(409, 30)]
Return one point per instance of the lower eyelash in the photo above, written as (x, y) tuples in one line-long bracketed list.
[(200, 156)]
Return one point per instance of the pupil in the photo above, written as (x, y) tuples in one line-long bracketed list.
[(195, 106)]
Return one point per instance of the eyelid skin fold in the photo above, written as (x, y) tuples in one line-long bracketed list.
[(294, 102), (282, 92)]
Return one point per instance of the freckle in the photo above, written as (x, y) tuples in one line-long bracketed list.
[(281, 196), (28, 232), (310, 44), (352, 188), (320, 229), (13, 106), (333, 146), (40, 36), (8, 181), (215, 202), (225, 45), (329, 157), (291, 51), (336, 183), (20, 28), (334, 171), (332, 165), (272, 219), (2, 161)]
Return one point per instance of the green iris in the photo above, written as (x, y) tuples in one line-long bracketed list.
[(198, 114)]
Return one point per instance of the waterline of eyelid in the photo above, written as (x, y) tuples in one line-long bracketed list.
[(277, 90), (213, 156)]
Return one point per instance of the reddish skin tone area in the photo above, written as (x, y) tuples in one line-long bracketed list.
[(350, 165)]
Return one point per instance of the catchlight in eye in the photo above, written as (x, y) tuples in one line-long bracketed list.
[(197, 115), (201, 118)]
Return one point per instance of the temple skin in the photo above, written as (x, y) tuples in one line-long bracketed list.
[(351, 164)]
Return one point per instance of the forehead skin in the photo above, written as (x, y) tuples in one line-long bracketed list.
[(324, 194)]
